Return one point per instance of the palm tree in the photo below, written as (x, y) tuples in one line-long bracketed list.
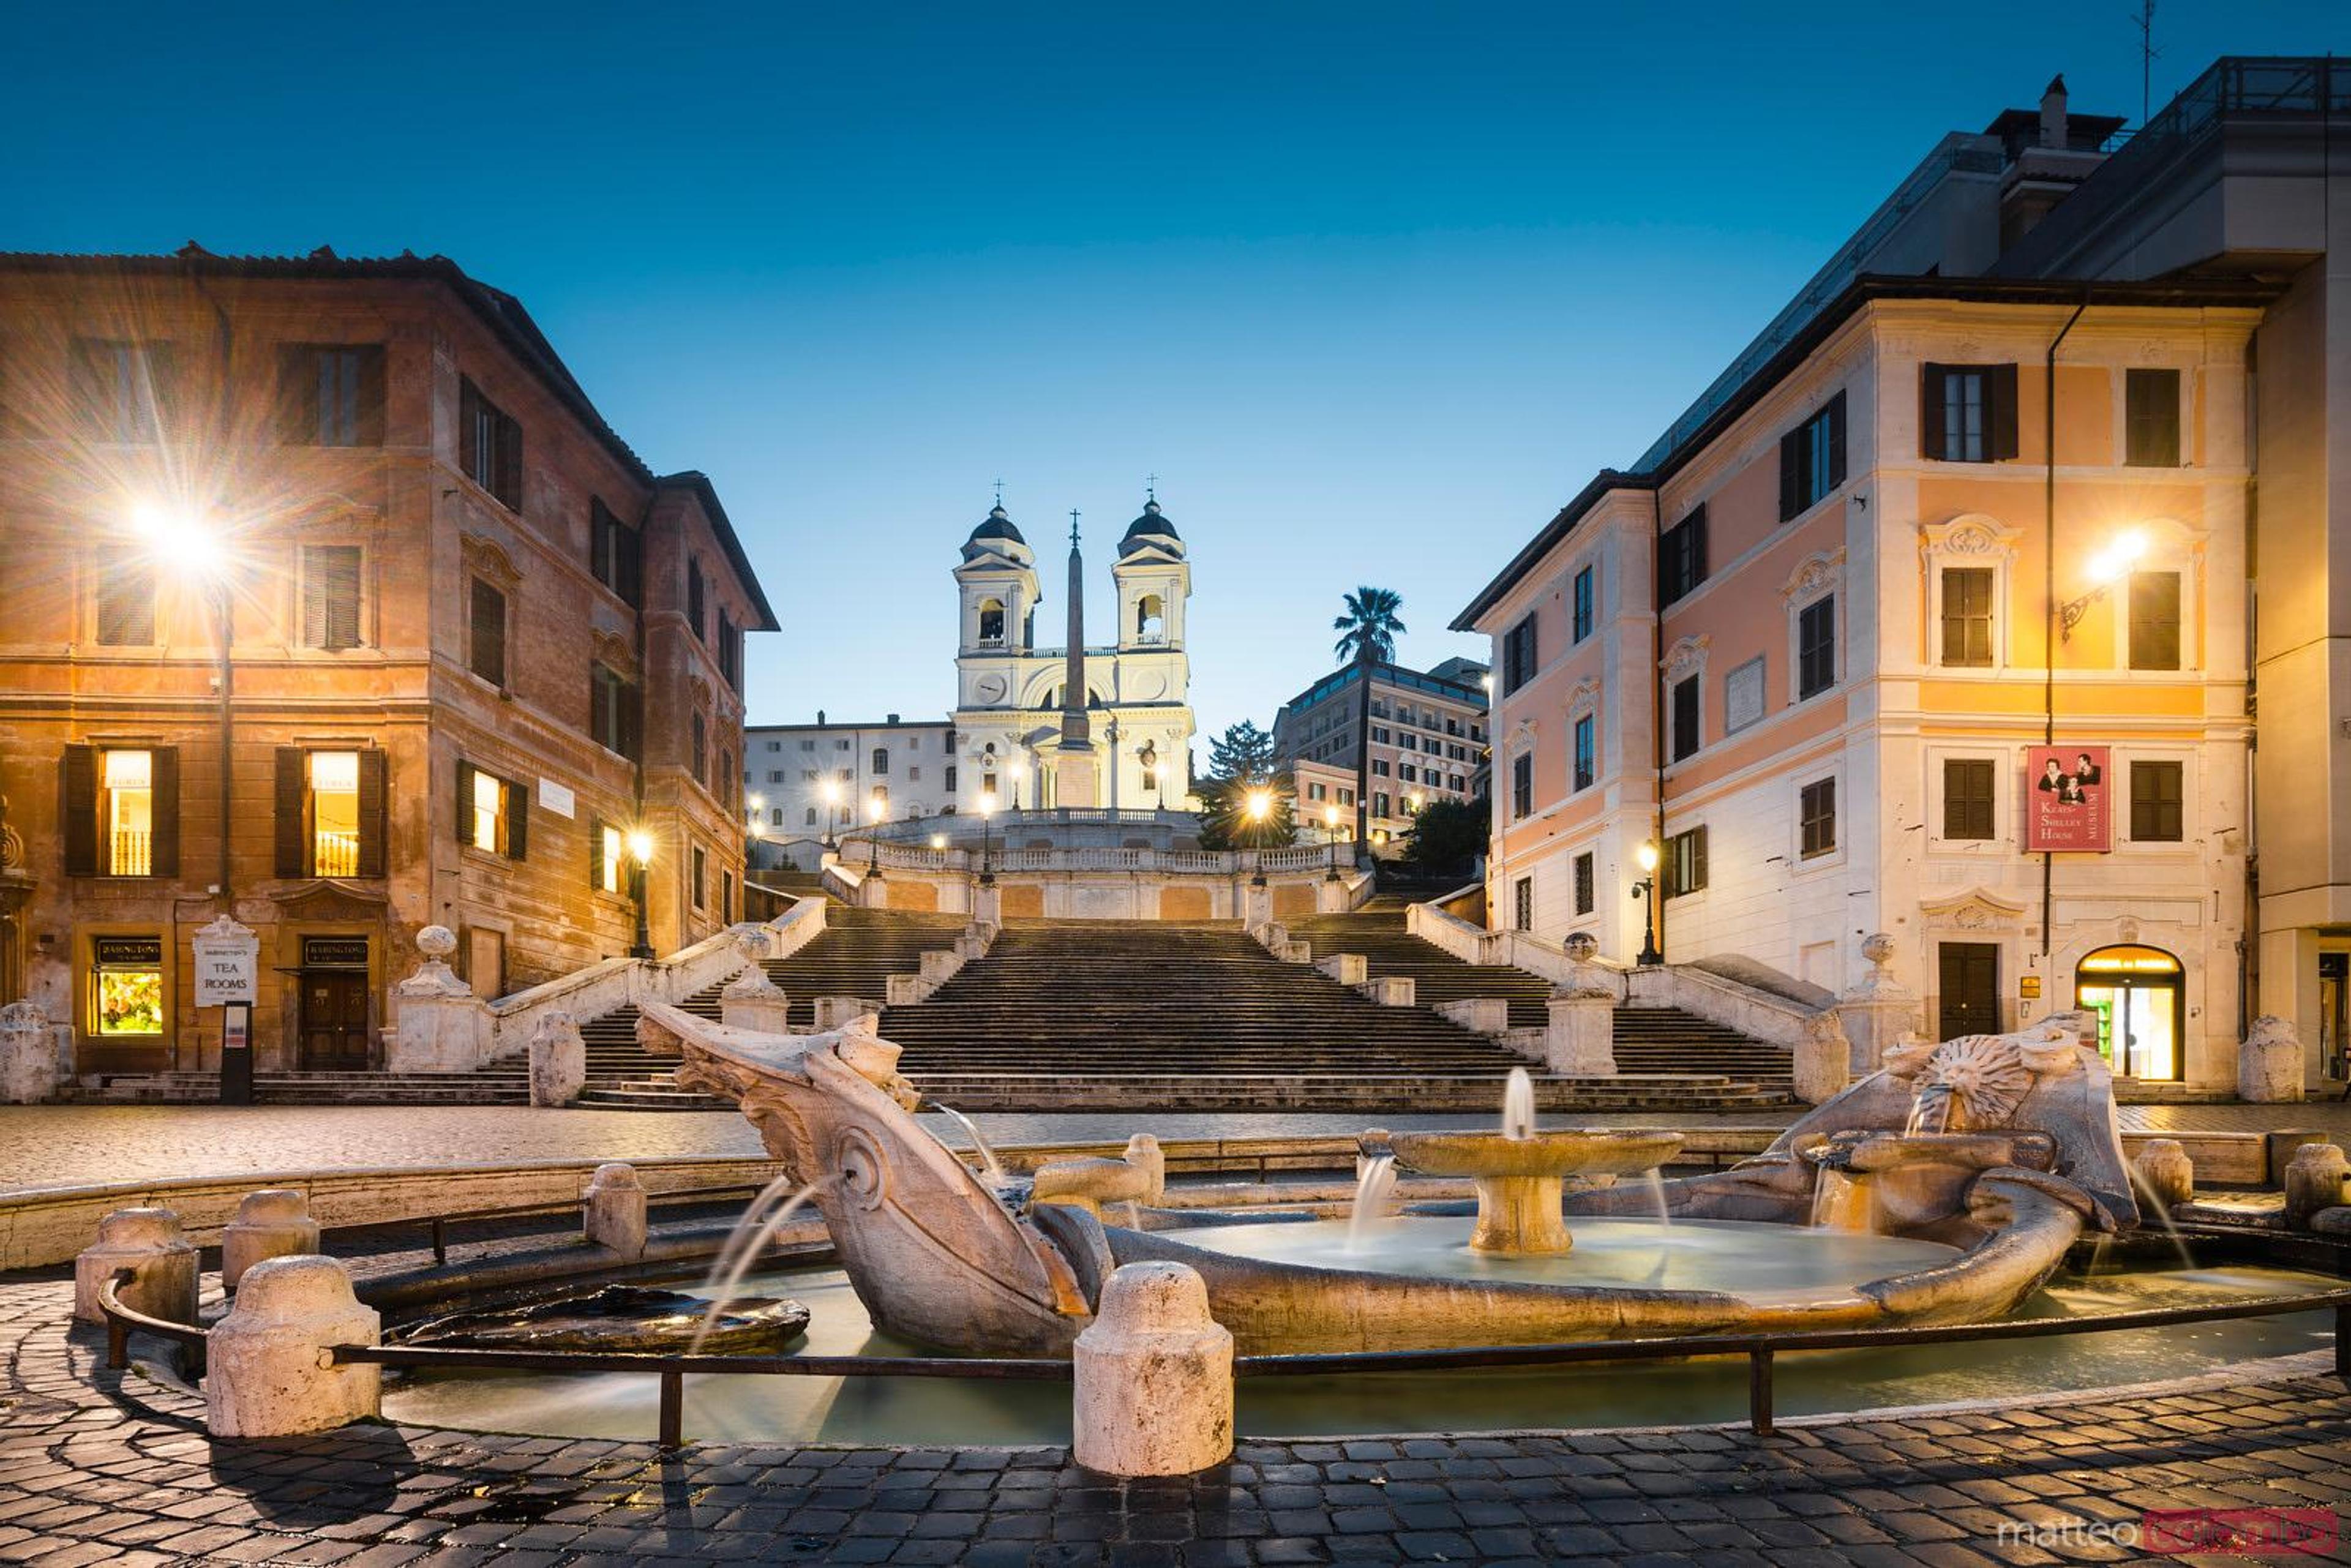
[(1367, 636)]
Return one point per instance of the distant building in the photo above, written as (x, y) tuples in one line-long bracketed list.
[(1428, 742), (1983, 492), (475, 642), (812, 781)]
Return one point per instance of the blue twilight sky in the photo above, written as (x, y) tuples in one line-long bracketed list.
[(1372, 287)]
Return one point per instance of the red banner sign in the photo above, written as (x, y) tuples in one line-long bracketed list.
[(2065, 800)]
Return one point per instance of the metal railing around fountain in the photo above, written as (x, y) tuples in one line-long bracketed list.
[(122, 1322)]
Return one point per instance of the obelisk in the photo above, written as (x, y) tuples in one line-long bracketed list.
[(1076, 781)]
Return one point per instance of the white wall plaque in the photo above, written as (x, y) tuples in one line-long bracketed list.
[(555, 797)]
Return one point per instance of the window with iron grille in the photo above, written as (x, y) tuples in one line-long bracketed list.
[(1967, 798), (2155, 789), (1583, 886), (1816, 818), (1522, 905)]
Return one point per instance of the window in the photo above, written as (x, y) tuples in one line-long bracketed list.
[(605, 848), (1522, 785), (1681, 557), (1518, 656), (121, 812), (1585, 898), (1582, 618), (1407, 772), (701, 876), (1816, 818), (1684, 865), (121, 389), (701, 737), (613, 711), (330, 812), (880, 760), (615, 555), (808, 818), (126, 605), (2155, 802), (126, 988), (1381, 734), (991, 620), (1967, 414), (694, 594), (2155, 620), (331, 596), (1967, 616), (1811, 460), (330, 394), (489, 445), (951, 778), (1967, 798), (2152, 419), (1685, 716), (1522, 905), (485, 649), (1379, 767), (1816, 647), (729, 781), (730, 651), (1586, 760), (493, 814), (726, 895)]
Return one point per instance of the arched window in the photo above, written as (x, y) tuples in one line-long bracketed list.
[(1150, 618), (991, 620), (880, 759)]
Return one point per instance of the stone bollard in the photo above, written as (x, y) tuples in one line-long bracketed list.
[(1580, 1040), (271, 1223), (2163, 1173), (2314, 1181), (1823, 1059), (559, 1060), (147, 1240), (1154, 1378), (614, 1209), (1390, 990), (1347, 968), (28, 1055), (267, 1373), (2269, 1062)]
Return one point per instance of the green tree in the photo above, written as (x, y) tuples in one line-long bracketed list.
[(1449, 833), (1244, 752), (1367, 633)]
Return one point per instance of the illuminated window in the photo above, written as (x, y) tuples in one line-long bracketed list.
[(488, 815), (129, 779), (127, 985), (334, 778), (609, 849)]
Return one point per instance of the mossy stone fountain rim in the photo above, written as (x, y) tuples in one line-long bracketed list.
[(1553, 1152)]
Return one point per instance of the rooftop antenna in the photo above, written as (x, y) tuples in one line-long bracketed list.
[(2148, 52)]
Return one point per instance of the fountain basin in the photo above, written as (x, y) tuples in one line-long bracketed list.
[(622, 1319), (1519, 1179)]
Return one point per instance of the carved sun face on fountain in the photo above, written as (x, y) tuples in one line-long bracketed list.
[(1976, 1082)]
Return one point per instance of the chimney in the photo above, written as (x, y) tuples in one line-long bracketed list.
[(891, 718), (820, 716), (2053, 113)]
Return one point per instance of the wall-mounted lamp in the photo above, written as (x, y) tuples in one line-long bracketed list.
[(2106, 567)]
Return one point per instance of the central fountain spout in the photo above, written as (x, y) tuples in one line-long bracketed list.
[(1520, 1180)]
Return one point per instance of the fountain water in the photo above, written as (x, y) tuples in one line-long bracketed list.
[(744, 1245), (991, 1170), (1656, 1181), (1519, 1105), (1373, 1190)]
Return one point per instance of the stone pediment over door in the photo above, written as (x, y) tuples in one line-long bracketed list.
[(1974, 910), (328, 900)]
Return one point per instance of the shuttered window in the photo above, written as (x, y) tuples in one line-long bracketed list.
[(2156, 799), (1967, 414), (2152, 419), (121, 390), (730, 651), (1519, 655), (493, 814), (486, 653), (1816, 648), (1681, 557), (120, 812), (614, 555), (614, 713), (1967, 798), (1816, 818), (126, 605), (701, 874), (1811, 460), (1685, 716), (1522, 785), (2155, 620), (330, 394), (332, 812), (331, 596), (489, 445), (693, 598), (1967, 616), (1684, 863)]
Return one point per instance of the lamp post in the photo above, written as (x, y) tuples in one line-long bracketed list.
[(1331, 841), (640, 859), (1647, 891), (877, 807), (1015, 771), (831, 790), (1259, 808), (987, 803)]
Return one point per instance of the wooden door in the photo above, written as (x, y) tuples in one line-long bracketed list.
[(1968, 973), (335, 1020)]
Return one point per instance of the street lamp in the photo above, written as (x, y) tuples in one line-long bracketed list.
[(640, 859), (831, 790), (2107, 567), (1258, 807), (1017, 772), (988, 804), (877, 807), (1646, 890), (1331, 841)]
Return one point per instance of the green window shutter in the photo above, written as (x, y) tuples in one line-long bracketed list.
[(517, 805), (291, 862), (165, 806), (2000, 411), (1931, 396), (375, 769), (78, 809), (465, 818)]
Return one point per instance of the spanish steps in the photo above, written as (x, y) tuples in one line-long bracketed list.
[(1070, 1014)]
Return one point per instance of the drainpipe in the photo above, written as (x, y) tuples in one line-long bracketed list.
[(1656, 910), (2049, 595), (222, 602)]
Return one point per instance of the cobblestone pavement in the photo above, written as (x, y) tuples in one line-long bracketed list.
[(62, 1146), (98, 1467)]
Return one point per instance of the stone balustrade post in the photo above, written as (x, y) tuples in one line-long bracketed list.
[(1347, 968), (1256, 908), (839, 1012), (147, 1242), (28, 1055), (1331, 896), (557, 1058), (439, 1025), (987, 904), (267, 1375), (2163, 1173), (1391, 990), (1823, 1057), (274, 1222), (2269, 1062), (1876, 1011), (905, 990), (1154, 1377), (614, 1211), (1580, 1039)]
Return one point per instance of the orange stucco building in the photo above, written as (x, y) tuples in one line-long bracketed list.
[(1971, 500), (473, 642)]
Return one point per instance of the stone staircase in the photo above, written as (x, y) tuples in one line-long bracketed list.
[(1167, 1016), (506, 1084), (1648, 1039)]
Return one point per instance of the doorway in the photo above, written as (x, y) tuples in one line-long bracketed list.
[(2141, 1003), (1968, 976), (2333, 1049), (335, 1020)]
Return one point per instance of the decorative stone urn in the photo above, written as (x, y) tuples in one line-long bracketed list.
[(1519, 1180)]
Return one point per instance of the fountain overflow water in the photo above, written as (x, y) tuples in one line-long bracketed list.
[(1519, 1105), (1373, 1190), (990, 1168), (744, 1245)]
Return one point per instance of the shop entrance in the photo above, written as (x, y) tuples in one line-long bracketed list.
[(334, 1025), (2334, 1051), (2141, 1003)]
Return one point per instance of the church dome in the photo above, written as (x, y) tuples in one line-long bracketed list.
[(1153, 525), (996, 532)]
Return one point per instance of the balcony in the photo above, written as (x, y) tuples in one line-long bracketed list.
[(334, 855), (130, 852)]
